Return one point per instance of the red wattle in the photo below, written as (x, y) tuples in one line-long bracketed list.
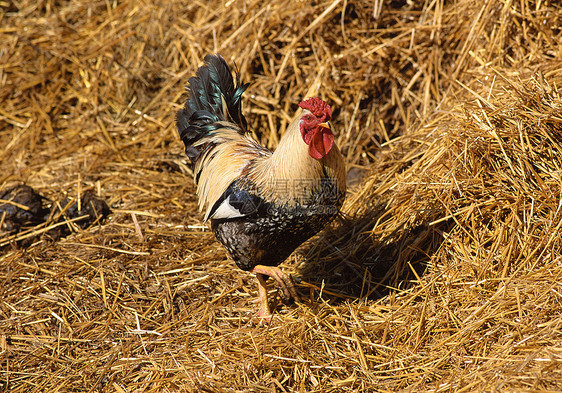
[(321, 143)]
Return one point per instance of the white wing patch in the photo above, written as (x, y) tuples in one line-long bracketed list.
[(225, 210)]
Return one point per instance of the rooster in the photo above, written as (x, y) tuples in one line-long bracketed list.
[(262, 205)]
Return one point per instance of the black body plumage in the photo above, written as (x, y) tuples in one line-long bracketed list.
[(269, 233)]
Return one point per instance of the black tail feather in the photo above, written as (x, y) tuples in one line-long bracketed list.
[(204, 108)]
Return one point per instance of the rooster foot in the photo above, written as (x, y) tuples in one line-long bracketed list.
[(285, 283)]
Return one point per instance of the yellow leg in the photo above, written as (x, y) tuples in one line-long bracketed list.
[(265, 311)]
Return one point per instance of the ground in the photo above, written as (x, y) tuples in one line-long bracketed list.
[(442, 274)]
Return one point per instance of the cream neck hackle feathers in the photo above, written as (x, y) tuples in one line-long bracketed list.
[(278, 177)]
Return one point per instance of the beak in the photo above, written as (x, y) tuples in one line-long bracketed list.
[(325, 125)]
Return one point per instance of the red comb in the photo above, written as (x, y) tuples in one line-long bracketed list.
[(318, 108)]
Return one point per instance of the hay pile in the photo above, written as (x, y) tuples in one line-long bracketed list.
[(443, 275)]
